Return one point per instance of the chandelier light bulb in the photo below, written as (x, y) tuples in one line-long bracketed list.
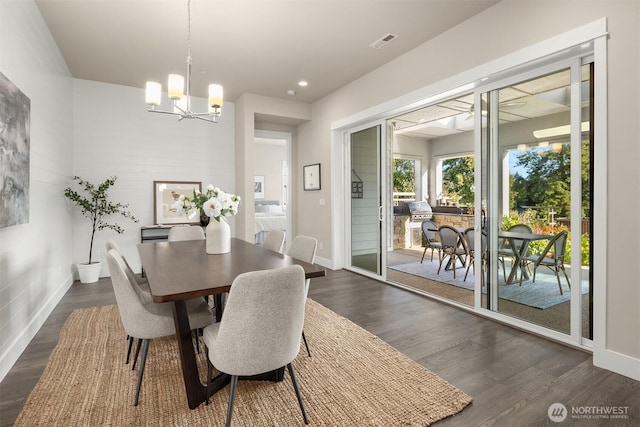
[(175, 86), (215, 96), (153, 95)]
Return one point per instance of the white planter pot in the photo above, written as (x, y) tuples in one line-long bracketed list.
[(89, 273)]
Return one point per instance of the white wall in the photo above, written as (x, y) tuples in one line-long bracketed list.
[(36, 258), (503, 29), (268, 158), (115, 135), (260, 112)]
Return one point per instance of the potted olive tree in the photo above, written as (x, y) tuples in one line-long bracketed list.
[(94, 204)]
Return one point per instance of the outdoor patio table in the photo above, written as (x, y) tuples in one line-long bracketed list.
[(526, 238)]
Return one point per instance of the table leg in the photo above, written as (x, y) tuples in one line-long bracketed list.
[(194, 388), (518, 258), (218, 302)]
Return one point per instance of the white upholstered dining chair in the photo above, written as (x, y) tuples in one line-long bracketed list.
[(304, 248), (274, 240), (254, 337), (146, 321), (185, 232)]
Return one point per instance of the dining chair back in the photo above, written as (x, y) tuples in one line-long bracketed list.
[(253, 337), (141, 281), (304, 248), (146, 321), (552, 257), (454, 247), (185, 232), (274, 240), (429, 230)]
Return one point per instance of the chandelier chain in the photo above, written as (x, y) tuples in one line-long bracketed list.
[(189, 30)]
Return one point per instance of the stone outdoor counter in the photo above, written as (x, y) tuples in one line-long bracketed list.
[(407, 234)]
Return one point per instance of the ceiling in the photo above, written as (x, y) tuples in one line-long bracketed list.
[(539, 97), (263, 47)]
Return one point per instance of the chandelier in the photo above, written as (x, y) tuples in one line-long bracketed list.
[(176, 92)]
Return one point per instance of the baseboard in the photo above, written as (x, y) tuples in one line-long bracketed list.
[(20, 343), (617, 362), (326, 263)]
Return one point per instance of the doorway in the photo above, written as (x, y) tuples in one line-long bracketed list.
[(272, 157)]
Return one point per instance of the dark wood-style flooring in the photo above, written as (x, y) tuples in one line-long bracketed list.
[(513, 376)]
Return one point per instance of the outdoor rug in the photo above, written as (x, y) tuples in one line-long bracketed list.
[(544, 293), (352, 379)]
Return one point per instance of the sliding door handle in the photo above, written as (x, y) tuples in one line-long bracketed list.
[(380, 213)]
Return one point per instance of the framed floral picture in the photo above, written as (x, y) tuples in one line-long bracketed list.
[(165, 194), (311, 177)]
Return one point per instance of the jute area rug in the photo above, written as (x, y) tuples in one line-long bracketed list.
[(352, 379)]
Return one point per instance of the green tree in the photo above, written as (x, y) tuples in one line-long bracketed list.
[(457, 177), (547, 180), (93, 201), (404, 175)]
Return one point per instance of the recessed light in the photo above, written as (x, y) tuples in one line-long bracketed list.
[(291, 92), (303, 83)]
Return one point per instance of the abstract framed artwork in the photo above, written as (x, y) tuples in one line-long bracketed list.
[(165, 194), (15, 123), (311, 177)]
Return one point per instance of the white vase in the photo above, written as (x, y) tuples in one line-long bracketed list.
[(89, 273), (218, 235)]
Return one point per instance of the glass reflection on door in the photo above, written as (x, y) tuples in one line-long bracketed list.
[(527, 152), (366, 211)]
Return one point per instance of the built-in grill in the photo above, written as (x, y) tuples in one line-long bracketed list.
[(420, 211), (417, 212)]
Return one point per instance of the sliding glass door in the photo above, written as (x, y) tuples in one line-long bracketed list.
[(536, 192), (366, 206)]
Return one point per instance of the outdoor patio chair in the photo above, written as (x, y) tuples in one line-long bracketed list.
[(551, 257), (429, 234), (469, 235), (454, 247)]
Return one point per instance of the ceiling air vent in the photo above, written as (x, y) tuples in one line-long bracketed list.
[(378, 44)]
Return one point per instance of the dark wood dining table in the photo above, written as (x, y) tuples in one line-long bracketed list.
[(178, 271)]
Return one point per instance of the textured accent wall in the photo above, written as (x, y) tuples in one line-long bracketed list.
[(36, 257), (115, 135)]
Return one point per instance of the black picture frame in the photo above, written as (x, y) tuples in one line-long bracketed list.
[(311, 177)]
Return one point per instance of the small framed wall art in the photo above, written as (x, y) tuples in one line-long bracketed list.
[(258, 186), (311, 177)]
